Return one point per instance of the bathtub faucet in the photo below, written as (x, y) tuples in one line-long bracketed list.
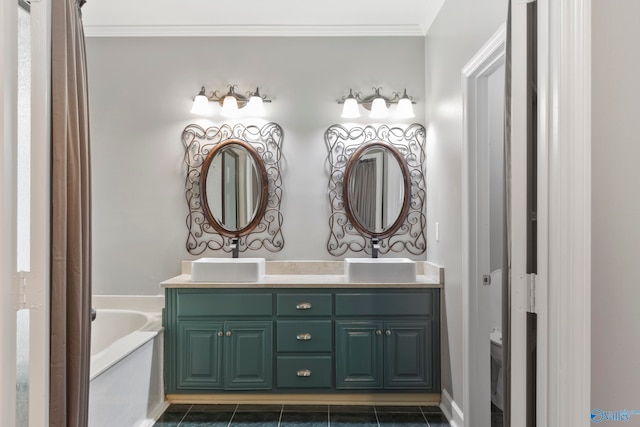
[(375, 245), (93, 313)]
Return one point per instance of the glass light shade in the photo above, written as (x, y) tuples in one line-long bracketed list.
[(379, 109), (255, 106), (229, 106), (350, 109), (405, 109), (200, 105)]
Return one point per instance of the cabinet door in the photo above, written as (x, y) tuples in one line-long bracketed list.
[(200, 355), (408, 355), (248, 355), (359, 355)]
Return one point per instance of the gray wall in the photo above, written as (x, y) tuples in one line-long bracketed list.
[(615, 286), (141, 91), (461, 28)]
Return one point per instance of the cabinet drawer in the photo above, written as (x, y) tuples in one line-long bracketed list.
[(306, 335), (384, 304), (207, 303), (304, 371), (304, 304)]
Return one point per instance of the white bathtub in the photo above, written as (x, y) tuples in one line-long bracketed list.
[(126, 387)]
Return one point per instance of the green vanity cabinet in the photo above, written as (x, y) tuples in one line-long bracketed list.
[(388, 340), (199, 363), (218, 341), (302, 340)]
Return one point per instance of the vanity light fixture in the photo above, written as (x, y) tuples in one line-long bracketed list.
[(377, 104), (231, 102)]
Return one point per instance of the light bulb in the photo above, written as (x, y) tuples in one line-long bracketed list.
[(230, 106), (405, 109), (379, 109), (200, 105), (255, 106), (350, 109)]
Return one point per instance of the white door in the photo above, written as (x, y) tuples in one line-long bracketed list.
[(24, 125)]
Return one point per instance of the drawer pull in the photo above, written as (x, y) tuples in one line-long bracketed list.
[(220, 333), (303, 337), (388, 332), (303, 373), (378, 332), (303, 306), (228, 333)]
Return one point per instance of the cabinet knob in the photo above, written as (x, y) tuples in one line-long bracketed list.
[(303, 373), (387, 332), (220, 333), (228, 333), (303, 337), (303, 306), (378, 332)]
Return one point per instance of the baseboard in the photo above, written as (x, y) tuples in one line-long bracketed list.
[(451, 410), (154, 415), (418, 399)]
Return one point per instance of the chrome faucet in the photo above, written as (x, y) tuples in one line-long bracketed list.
[(235, 252), (375, 245)]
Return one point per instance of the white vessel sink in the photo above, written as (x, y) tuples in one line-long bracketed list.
[(227, 270), (380, 270)]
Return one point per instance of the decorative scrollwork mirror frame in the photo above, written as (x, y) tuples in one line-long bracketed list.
[(264, 232), (345, 143)]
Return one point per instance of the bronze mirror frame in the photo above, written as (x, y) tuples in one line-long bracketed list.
[(200, 146), (406, 180), (264, 189), (346, 235)]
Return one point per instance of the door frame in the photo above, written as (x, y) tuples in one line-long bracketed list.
[(563, 282), (476, 350)]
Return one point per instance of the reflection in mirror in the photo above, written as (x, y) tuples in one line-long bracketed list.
[(376, 189), (233, 187)]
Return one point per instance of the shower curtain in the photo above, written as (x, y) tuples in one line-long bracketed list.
[(70, 219)]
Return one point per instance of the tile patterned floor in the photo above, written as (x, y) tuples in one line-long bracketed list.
[(301, 416)]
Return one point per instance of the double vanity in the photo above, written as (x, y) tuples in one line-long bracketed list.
[(362, 330)]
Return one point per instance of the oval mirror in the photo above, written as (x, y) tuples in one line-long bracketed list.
[(234, 188), (376, 189)]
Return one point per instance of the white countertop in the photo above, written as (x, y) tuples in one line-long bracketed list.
[(299, 281)]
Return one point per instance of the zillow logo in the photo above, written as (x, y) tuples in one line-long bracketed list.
[(598, 415)]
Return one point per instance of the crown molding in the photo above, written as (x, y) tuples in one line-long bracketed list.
[(253, 30)]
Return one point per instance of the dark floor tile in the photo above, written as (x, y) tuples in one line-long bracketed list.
[(351, 408), (398, 409), (393, 419), (172, 416), (435, 420), (304, 419), (260, 408), (255, 419), (306, 408), (206, 419), (353, 419), (431, 409)]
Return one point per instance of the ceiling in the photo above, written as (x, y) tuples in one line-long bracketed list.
[(149, 18)]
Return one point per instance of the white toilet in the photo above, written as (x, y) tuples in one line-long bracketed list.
[(496, 338)]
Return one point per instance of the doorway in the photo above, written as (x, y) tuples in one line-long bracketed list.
[(483, 159)]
